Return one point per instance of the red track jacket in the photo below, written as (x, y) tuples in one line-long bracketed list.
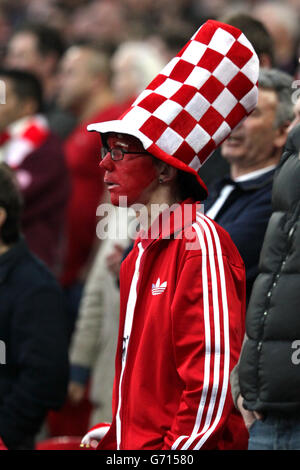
[(181, 330)]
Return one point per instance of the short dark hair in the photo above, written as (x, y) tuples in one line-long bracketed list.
[(49, 39), (11, 200), (281, 83), (25, 85), (186, 185), (255, 31), (189, 187)]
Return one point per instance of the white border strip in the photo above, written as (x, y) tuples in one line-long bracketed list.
[(226, 333), (127, 331), (207, 337)]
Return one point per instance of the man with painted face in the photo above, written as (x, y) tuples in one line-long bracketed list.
[(130, 171), (182, 287)]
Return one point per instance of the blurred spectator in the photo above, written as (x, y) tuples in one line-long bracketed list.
[(134, 64), (282, 22), (103, 22), (28, 146), (172, 21), (5, 32), (95, 338), (214, 8), (85, 90), (33, 328), (262, 42), (265, 383), (241, 202), (38, 49), (258, 35), (50, 12), (296, 119)]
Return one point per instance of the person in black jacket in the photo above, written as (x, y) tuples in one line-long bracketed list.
[(33, 330), (266, 382), (37, 157)]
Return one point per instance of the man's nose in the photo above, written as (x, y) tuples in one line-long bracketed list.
[(107, 163)]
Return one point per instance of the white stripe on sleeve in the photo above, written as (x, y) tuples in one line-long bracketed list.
[(208, 427)]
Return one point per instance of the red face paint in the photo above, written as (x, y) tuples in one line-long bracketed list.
[(134, 177)]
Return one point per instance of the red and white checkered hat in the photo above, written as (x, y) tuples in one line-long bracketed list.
[(195, 102)]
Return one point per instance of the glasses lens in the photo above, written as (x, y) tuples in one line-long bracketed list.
[(116, 154), (104, 151)]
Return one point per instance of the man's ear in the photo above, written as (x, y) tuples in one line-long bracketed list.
[(281, 135), (3, 216), (167, 173)]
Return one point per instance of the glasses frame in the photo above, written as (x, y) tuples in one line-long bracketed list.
[(105, 150)]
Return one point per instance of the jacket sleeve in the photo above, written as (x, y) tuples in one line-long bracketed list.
[(234, 380), (208, 325), (39, 349)]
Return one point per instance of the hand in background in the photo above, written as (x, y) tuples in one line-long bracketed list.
[(248, 416), (76, 392)]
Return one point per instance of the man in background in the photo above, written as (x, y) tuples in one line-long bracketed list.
[(36, 155), (241, 202), (38, 49), (262, 42), (265, 382), (33, 327), (85, 91), (134, 64)]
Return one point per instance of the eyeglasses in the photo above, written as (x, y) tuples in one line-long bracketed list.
[(117, 154)]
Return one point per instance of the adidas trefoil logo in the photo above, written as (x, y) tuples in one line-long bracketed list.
[(159, 288)]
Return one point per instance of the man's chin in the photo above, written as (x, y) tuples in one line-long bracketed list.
[(232, 154), (119, 201)]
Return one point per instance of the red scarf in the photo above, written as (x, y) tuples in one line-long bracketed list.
[(22, 138)]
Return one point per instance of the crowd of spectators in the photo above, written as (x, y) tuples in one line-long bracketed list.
[(67, 63)]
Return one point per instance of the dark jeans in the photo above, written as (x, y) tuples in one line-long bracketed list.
[(275, 433)]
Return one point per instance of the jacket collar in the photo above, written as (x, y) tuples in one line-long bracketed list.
[(170, 222), (247, 185)]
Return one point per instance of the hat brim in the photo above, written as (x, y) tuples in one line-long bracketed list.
[(121, 127)]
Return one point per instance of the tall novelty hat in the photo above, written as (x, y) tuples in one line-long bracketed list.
[(195, 102)]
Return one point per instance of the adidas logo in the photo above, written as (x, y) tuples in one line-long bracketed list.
[(159, 288)]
